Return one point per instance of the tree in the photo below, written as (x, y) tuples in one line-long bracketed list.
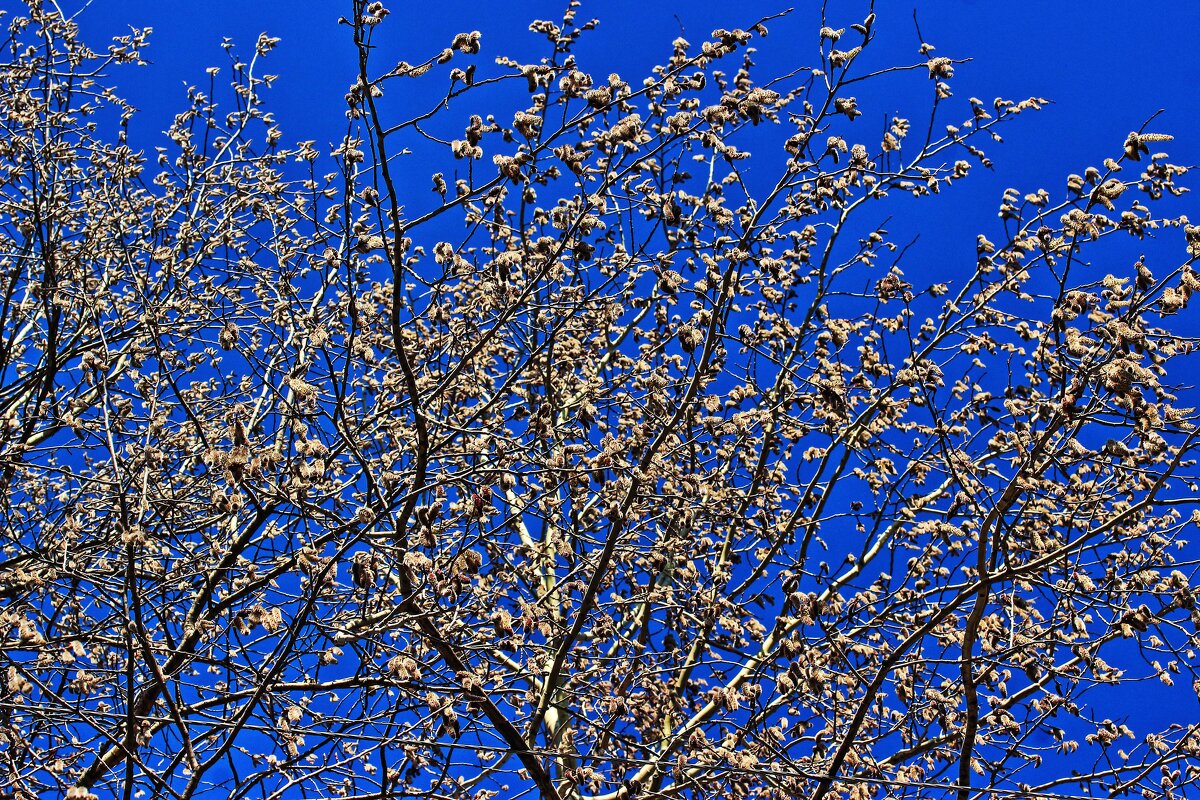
[(606, 469)]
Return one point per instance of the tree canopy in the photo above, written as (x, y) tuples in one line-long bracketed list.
[(624, 457)]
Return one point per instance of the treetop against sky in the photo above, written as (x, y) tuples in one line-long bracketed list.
[(706, 402)]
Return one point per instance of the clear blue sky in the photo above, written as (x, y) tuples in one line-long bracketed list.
[(1107, 66)]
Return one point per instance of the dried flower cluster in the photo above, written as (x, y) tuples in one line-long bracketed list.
[(607, 468)]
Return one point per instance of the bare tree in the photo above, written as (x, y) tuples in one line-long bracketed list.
[(598, 468)]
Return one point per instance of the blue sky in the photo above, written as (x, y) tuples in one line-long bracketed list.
[(1107, 66)]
